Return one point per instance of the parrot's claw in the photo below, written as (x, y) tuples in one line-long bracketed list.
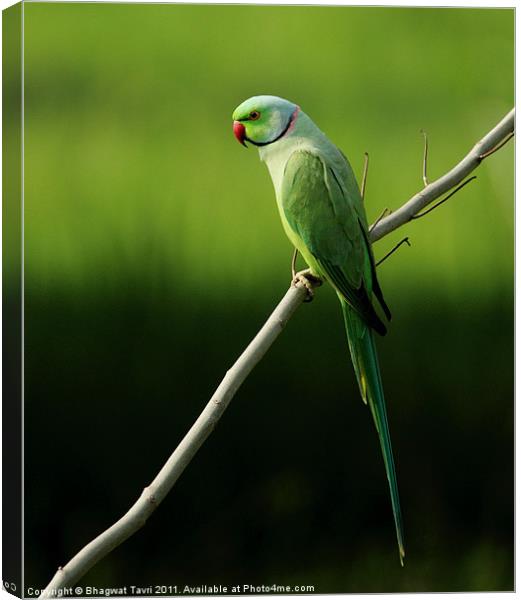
[(307, 280)]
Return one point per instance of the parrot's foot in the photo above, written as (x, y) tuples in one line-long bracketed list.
[(307, 280)]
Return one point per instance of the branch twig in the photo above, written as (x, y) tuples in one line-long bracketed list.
[(492, 141), (391, 252), (152, 495), (364, 175), (454, 191), (425, 152)]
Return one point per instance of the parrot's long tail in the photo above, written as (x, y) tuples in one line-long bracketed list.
[(363, 352)]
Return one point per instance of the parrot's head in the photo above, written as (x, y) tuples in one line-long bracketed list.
[(263, 120)]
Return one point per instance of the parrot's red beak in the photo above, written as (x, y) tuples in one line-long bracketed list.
[(239, 131)]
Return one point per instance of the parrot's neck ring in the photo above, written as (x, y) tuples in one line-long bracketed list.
[(289, 126)]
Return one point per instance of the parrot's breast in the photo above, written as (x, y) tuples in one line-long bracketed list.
[(276, 159)]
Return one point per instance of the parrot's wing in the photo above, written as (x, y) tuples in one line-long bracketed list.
[(326, 217)]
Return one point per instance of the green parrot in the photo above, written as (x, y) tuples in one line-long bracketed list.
[(323, 216)]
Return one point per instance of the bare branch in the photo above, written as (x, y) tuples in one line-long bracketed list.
[(425, 152), (492, 141), (384, 212), (364, 175), (454, 191), (496, 148), (294, 264), (391, 252), (152, 495)]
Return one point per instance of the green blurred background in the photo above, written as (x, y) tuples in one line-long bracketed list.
[(154, 252)]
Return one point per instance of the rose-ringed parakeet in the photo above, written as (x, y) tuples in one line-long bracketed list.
[(323, 216)]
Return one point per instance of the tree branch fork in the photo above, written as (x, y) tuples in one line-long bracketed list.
[(297, 293)]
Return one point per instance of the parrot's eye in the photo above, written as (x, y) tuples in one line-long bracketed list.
[(254, 115)]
